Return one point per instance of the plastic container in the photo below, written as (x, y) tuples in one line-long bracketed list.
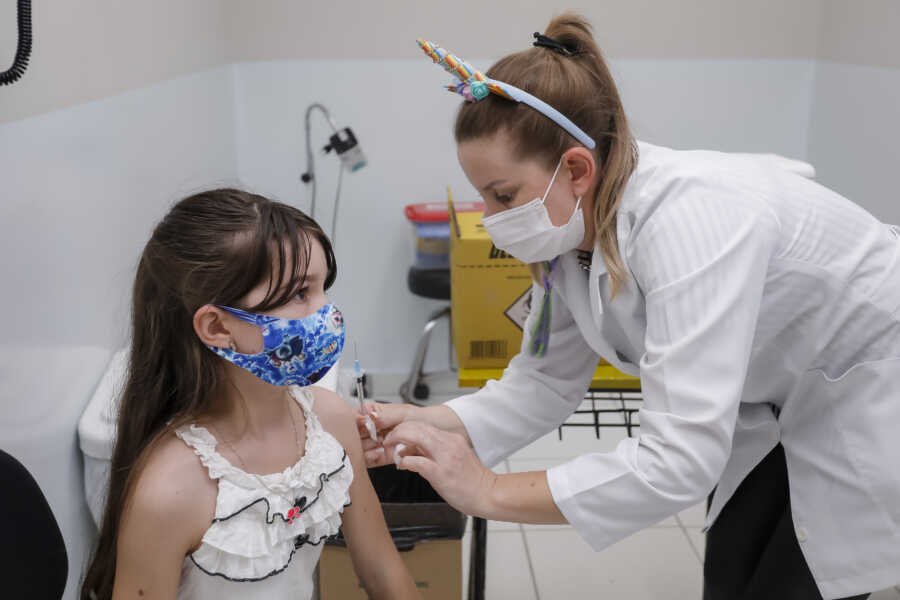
[(431, 232)]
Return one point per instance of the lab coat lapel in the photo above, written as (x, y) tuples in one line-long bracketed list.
[(581, 297), (621, 323)]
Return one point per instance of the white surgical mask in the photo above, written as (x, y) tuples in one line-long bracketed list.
[(527, 233)]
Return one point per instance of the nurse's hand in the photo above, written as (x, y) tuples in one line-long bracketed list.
[(447, 461), (387, 416)]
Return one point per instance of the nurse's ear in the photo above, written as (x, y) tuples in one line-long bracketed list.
[(581, 167)]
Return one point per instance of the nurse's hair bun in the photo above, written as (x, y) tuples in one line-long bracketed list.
[(574, 33)]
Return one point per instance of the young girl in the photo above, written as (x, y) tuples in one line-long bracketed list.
[(230, 469)]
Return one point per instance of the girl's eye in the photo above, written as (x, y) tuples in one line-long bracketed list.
[(301, 295)]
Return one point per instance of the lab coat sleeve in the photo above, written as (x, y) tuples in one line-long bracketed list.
[(701, 260), (534, 395)]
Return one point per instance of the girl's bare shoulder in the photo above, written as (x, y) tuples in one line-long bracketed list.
[(167, 511), (173, 489), (336, 416)]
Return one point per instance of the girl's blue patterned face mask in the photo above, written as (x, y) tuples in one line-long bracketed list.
[(295, 351)]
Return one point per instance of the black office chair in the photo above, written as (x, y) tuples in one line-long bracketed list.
[(33, 560), (428, 283)]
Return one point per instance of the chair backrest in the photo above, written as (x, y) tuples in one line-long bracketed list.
[(33, 560)]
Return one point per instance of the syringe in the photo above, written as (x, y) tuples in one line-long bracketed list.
[(360, 393)]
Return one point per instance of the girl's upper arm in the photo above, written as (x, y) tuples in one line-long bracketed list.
[(375, 558), (363, 520), (163, 520)]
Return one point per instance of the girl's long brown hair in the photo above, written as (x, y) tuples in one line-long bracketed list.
[(212, 248), (579, 86)]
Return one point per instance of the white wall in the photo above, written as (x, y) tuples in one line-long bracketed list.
[(856, 108), (92, 49), (385, 29), (82, 188), (855, 141)]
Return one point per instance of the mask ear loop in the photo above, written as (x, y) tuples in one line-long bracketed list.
[(547, 191), (247, 317), (577, 205), (552, 179)]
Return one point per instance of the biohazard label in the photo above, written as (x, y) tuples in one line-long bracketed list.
[(519, 310), (497, 253)]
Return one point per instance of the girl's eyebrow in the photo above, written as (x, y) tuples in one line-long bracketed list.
[(311, 278)]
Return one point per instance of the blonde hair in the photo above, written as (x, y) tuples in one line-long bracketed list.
[(581, 87)]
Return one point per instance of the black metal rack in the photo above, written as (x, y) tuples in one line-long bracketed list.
[(607, 408)]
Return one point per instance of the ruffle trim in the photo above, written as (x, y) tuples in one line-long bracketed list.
[(252, 536), (301, 541), (259, 540), (320, 454)]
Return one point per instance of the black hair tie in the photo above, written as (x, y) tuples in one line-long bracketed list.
[(546, 42)]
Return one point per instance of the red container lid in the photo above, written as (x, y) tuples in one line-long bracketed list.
[(436, 212)]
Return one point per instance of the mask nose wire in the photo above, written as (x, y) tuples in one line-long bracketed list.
[(552, 179)]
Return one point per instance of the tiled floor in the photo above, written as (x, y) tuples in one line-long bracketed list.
[(531, 562), (552, 561)]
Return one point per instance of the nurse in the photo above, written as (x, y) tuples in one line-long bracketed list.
[(760, 309)]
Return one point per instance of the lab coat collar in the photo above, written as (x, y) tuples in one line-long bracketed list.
[(621, 321)]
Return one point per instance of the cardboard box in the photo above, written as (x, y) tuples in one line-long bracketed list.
[(425, 529), (490, 296), (435, 565)]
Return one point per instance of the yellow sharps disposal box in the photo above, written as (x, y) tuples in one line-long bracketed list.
[(490, 295)]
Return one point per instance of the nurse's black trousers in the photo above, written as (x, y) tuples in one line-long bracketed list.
[(752, 551)]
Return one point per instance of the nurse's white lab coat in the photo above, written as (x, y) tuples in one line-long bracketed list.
[(759, 307)]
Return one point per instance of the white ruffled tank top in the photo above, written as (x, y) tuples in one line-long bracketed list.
[(257, 546)]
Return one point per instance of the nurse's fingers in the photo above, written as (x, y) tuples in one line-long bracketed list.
[(377, 458), (388, 415), (416, 433), (385, 416), (361, 426)]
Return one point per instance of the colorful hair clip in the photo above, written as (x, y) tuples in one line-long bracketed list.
[(462, 88), (474, 86)]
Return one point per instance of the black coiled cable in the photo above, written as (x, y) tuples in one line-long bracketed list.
[(23, 49)]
